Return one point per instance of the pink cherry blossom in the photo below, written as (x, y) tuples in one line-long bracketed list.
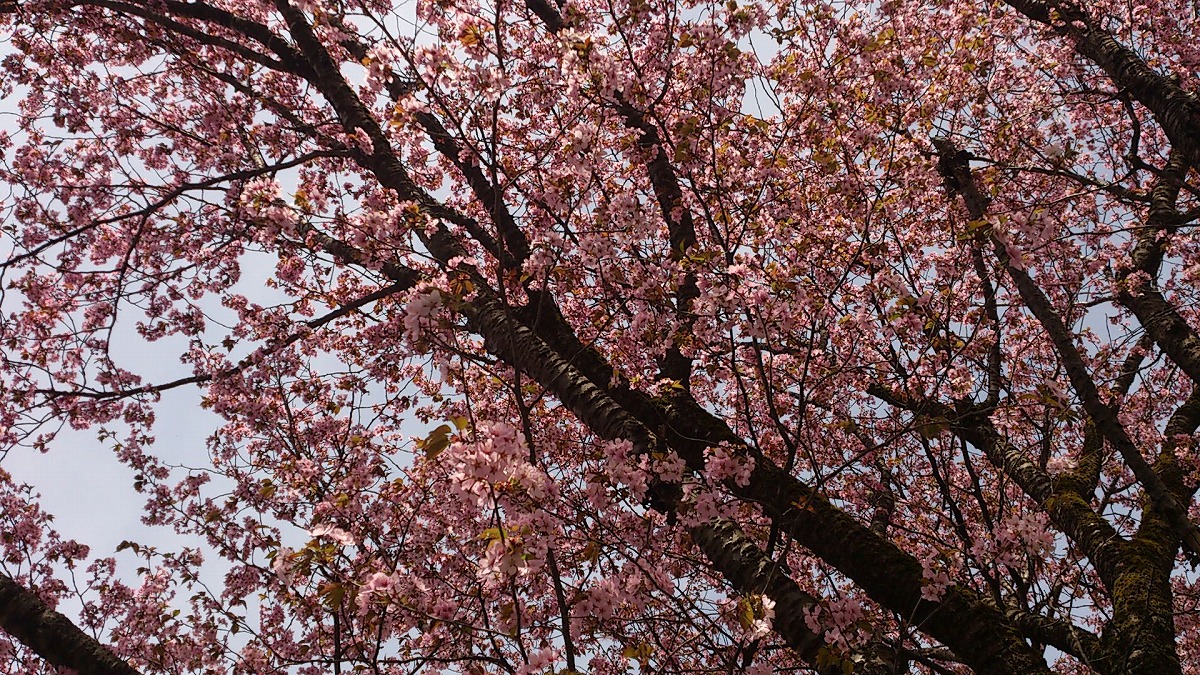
[(637, 335), (337, 534)]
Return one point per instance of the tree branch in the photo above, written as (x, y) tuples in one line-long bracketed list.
[(53, 636), (953, 165), (1177, 110), (1162, 321)]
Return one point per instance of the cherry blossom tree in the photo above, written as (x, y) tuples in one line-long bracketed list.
[(606, 337)]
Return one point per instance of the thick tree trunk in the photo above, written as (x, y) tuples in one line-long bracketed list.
[(52, 636), (1178, 111)]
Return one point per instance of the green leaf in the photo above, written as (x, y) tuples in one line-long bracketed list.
[(437, 441), (333, 593), (133, 546), (929, 426), (745, 613), (492, 534), (640, 651)]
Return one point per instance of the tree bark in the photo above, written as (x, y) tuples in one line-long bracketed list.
[(52, 636)]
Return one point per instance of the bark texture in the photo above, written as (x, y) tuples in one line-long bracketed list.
[(52, 636)]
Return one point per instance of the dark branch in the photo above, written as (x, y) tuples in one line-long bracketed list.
[(52, 636)]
